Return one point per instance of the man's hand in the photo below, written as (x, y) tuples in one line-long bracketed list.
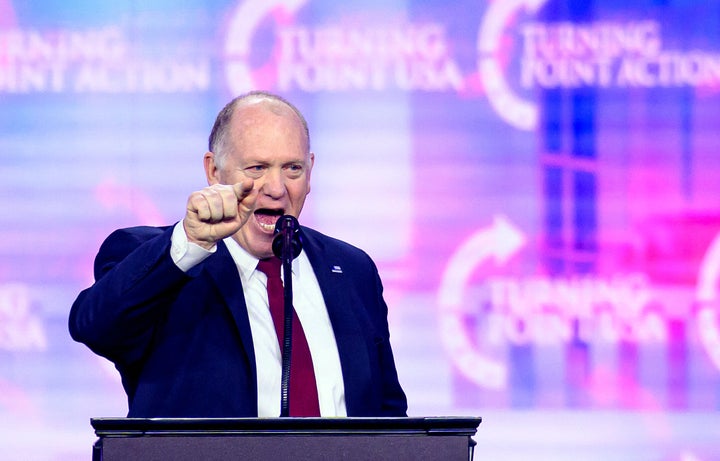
[(218, 211)]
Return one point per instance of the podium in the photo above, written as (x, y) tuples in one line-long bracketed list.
[(265, 439)]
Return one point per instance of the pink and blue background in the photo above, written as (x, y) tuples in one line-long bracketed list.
[(549, 243)]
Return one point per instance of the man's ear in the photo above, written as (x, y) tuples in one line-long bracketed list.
[(311, 163), (211, 169)]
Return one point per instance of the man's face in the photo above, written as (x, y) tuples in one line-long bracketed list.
[(267, 143)]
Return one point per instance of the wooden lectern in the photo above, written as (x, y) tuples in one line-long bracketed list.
[(265, 439)]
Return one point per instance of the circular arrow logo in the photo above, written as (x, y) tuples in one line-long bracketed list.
[(707, 297), (509, 106), (241, 76), (498, 242)]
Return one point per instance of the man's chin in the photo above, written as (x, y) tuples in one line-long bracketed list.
[(259, 246), (263, 249)]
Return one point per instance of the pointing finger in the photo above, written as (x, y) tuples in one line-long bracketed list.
[(243, 189)]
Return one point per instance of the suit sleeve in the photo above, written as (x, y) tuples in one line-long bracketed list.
[(135, 280), (394, 401), (391, 399)]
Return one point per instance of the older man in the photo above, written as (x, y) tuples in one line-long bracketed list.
[(183, 311)]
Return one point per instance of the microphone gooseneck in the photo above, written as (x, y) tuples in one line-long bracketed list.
[(287, 245)]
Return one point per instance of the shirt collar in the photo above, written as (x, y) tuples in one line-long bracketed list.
[(247, 263)]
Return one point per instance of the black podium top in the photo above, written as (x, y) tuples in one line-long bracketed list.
[(119, 427), (271, 439)]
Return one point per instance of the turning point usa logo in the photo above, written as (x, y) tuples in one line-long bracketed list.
[(349, 54), (516, 55)]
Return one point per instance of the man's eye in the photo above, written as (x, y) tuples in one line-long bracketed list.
[(255, 171), (295, 168)]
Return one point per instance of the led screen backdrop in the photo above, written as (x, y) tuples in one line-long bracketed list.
[(538, 181)]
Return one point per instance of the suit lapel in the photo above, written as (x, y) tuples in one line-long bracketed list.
[(337, 294), (351, 342), (223, 272)]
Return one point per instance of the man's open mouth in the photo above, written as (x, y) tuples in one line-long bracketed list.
[(267, 218)]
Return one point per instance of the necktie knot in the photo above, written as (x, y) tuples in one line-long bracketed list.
[(270, 267)]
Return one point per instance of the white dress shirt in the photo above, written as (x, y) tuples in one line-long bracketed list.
[(311, 311)]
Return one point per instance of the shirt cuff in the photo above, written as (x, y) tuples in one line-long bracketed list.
[(185, 254)]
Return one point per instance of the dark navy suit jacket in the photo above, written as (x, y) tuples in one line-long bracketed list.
[(182, 342)]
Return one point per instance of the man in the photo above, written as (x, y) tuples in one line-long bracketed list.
[(182, 311)]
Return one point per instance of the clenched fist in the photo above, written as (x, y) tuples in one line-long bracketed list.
[(218, 211)]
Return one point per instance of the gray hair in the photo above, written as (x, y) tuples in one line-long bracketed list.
[(217, 142)]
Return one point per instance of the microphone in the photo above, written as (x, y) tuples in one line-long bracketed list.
[(286, 245), (287, 229)]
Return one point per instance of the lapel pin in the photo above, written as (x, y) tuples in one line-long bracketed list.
[(337, 270)]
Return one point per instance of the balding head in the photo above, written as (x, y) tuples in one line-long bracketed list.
[(218, 142)]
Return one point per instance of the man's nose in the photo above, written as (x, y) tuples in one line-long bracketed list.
[(274, 184)]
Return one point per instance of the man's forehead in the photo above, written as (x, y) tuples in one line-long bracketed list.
[(253, 113), (263, 103)]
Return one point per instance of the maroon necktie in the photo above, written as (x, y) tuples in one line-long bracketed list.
[(303, 396)]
